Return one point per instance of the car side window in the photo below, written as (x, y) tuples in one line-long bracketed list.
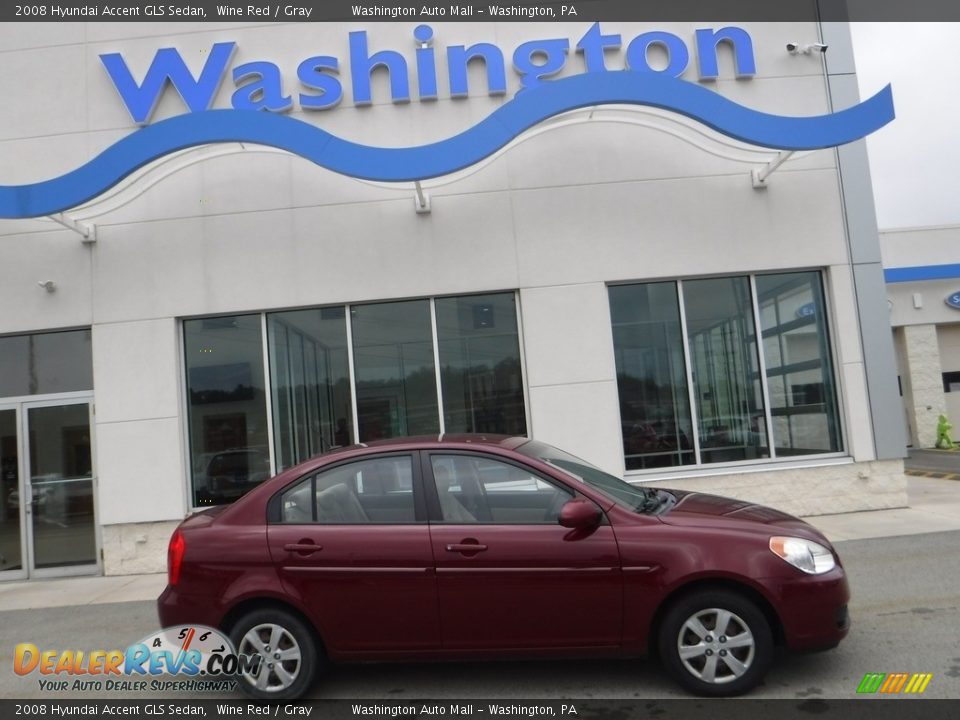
[(377, 490), (476, 489)]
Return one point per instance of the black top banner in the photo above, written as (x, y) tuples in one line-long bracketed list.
[(480, 10)]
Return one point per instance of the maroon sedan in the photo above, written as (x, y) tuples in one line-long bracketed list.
[(473, 546)]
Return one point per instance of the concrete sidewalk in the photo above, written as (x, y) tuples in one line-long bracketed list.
[(934, 507)]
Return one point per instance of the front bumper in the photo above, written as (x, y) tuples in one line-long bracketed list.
[(813, 609)]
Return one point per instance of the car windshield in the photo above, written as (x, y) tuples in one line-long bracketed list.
[(633, 497)]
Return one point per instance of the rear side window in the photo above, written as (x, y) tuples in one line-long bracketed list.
[(378, 490)]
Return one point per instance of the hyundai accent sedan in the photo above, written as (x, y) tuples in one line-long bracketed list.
[(468, 547)]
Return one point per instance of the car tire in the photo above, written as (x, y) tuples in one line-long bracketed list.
[(290, 652), (711, 664)]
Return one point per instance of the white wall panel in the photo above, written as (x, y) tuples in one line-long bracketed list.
[(140, 471), (582, 419), (136, 370)]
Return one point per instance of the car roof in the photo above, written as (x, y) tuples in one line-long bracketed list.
[(509, 442)]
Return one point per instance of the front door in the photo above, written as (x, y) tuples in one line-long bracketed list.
[(509, 576), (57, 488)]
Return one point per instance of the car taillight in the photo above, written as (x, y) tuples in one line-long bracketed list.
[(175, 557)]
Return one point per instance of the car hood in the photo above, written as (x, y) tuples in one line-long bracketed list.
[(703, 510)]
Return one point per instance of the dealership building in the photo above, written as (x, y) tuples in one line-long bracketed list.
[(923, 295), (608, 236)]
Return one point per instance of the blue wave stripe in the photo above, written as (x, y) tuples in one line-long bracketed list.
[(527, 109)]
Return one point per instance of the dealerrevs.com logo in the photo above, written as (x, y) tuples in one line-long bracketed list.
[(199, 657)]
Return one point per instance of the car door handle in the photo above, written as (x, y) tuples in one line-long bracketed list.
[(465, 547), (303, 548)]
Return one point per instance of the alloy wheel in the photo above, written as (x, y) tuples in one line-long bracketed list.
[(280, 653), (716, 646)]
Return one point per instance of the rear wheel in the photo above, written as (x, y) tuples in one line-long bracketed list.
[(289, 654), (716, 643)]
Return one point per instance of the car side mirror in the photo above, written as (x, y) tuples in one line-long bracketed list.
[(579, 514)]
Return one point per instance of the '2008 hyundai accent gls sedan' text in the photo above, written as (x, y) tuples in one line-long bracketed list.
[(482, 546)]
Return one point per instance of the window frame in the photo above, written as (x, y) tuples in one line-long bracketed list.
[(435, 512), (275, 503)]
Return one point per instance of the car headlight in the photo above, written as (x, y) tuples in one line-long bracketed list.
[(806, 555)]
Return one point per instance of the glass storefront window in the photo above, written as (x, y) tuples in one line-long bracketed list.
[(651, 377), (395, 370), (318, 401), (716, 364), (479, 349), (799, 369), (726, 378), (45, 363), (226, 407), (310, 382)]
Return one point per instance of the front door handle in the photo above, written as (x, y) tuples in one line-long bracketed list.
[(303, 548), (466, 547)]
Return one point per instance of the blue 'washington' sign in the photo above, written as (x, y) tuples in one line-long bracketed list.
[(260, 100)]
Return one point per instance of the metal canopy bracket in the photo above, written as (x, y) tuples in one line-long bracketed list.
[(87, 233), (422, 199), (759, 176)]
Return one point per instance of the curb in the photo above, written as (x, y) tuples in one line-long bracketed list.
[(933, 474)]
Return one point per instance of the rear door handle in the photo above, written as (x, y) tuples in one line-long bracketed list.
[(466, 547), (303, 548)]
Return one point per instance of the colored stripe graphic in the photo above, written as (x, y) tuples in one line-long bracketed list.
[(923, 679), (384, 164), (894, 683), (870, 683)]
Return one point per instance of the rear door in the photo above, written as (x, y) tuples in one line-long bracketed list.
[(352, 543), (508, 575)]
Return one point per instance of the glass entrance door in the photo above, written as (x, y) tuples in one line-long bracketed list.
[(58, 488), (13, 565)]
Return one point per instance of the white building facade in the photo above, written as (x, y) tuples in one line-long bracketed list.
[(599, 283)]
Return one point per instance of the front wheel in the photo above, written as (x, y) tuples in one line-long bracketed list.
[(716, 643), (289, 656)]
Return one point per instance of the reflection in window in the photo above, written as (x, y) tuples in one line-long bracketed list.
[(45, 363), (226, 407), (651, 377), (797, 357), (310, 381), (395, 371), (726, 377), (480, 364)]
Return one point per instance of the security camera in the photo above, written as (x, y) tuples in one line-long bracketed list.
[(806, 48)]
